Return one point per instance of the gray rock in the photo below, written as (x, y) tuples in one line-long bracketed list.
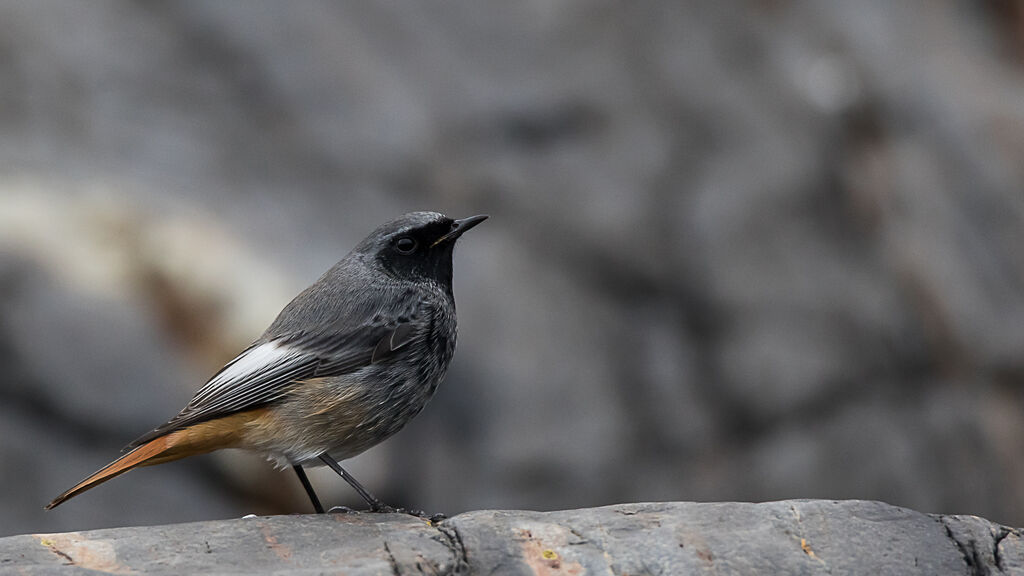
[(788, 537)]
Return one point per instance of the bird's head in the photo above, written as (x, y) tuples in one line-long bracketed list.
[(417, 246)]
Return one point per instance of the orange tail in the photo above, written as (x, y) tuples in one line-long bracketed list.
[(136, 457), (196, 439)]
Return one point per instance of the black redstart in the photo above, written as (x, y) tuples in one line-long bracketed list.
[(345, 365)]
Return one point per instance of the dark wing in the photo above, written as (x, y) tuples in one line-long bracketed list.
[(265, 371)]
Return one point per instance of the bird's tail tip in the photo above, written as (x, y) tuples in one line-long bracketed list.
[(137, 457)]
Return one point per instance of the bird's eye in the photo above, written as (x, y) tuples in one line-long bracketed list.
[(406, 245)]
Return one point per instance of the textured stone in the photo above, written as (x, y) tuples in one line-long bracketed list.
[(789, 537)]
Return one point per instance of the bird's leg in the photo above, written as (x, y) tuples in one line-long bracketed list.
[(309, 488), (375, 504)]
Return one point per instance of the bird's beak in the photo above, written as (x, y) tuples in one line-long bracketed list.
[(459, 227)]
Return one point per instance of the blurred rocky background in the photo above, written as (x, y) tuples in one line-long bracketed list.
[(739, 250)]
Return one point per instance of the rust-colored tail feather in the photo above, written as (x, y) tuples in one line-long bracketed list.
[(136, 457), (199, 438)]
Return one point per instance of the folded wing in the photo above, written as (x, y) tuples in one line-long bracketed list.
[(265, 371)]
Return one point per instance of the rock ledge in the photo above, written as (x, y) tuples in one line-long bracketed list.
[(788, 537)]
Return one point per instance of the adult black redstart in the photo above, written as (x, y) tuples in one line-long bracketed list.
[(345, 365)]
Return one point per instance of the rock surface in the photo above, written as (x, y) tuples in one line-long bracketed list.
[(787, 537)]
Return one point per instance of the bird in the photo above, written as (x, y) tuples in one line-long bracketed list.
[(344, 366)]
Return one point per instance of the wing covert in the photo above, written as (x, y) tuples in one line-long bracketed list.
[(265, 371)]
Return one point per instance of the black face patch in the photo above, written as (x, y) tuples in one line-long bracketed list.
[(412, 253)]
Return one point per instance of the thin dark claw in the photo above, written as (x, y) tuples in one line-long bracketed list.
[(419, 514), (385, 509)]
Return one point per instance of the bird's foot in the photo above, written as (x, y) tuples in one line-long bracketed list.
[(382, 508), (385, 509), (414, 512)]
